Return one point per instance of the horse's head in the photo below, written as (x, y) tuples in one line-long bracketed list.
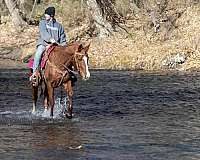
[(81, 61)]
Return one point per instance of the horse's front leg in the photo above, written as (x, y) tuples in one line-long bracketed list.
[(34, 97), (69, 89), (46, 103), (50, 91), (46, 98)]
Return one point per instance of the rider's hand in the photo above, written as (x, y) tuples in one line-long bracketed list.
[(52, 40), (47, 47)]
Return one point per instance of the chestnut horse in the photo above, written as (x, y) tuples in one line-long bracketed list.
[(58, 72)]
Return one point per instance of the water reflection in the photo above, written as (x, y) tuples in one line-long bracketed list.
[(66, 136)]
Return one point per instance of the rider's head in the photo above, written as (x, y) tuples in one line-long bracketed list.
[(49, 13)]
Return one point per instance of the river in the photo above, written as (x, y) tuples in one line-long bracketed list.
[(118, 115)]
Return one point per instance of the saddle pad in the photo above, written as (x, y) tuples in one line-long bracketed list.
[(44, 58)]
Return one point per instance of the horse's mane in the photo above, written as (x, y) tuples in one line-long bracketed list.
[(70, 46), (73, 44), (61, 53)]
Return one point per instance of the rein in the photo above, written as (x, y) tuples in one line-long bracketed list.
[(64, 73)]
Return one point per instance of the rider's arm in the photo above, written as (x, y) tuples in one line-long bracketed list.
[(63, 39)]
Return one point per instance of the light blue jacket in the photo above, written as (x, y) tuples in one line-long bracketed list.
[(49, 30)]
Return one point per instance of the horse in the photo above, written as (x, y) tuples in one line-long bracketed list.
[(58, 71)]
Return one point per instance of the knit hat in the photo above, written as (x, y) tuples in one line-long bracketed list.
[(50, 11)]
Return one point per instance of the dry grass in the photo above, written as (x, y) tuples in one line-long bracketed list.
[(25, 39), (146, 51), (141, 49)]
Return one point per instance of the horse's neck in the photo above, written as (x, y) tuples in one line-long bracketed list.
[(63, 55)]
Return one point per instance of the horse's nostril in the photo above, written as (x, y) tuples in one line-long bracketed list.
[(87, 77)]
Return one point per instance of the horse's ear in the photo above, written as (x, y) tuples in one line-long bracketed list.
[(80, 47), (87, 48)]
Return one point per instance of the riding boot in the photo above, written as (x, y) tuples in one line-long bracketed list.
[(32, 78), (35, 78)]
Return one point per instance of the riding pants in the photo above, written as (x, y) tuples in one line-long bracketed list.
[(38, 56)]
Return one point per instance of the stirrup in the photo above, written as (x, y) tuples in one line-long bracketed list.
[(33, 79)]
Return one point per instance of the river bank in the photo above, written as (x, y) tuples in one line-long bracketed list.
[(11, 64), (140, 49)]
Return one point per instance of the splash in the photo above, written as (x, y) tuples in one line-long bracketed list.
[(40, 116), (59, 107)]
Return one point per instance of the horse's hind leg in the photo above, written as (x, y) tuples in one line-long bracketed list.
[(50, 90), (34, 97), (69, 90)]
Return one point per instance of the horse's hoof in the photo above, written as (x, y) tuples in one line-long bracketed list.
[(69, 116), (45, 109), (51, 120), (34, 84), (33, 112)]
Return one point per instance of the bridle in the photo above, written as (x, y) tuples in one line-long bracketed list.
[(76, 61), (65, 65)]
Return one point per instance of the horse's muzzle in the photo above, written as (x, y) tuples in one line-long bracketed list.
[(87, 76)]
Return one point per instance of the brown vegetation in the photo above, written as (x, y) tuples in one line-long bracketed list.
[(145, 34)]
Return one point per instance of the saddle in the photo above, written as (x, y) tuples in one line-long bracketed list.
[(44, 58), (38, 75)]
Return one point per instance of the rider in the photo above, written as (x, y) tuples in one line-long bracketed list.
[(50, 32)]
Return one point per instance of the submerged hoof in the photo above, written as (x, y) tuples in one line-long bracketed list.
[(67, 115), (33, 112), (45, 109)]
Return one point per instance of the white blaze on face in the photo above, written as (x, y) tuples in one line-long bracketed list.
[(86, 67)]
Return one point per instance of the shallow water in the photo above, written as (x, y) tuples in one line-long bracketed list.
[(121, 115)]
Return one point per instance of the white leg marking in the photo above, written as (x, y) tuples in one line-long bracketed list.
[(86, 67), (34, 108)]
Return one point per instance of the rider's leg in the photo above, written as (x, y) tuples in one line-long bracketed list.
[(38, 56)]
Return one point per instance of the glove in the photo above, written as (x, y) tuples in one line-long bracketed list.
[(52, 40)]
